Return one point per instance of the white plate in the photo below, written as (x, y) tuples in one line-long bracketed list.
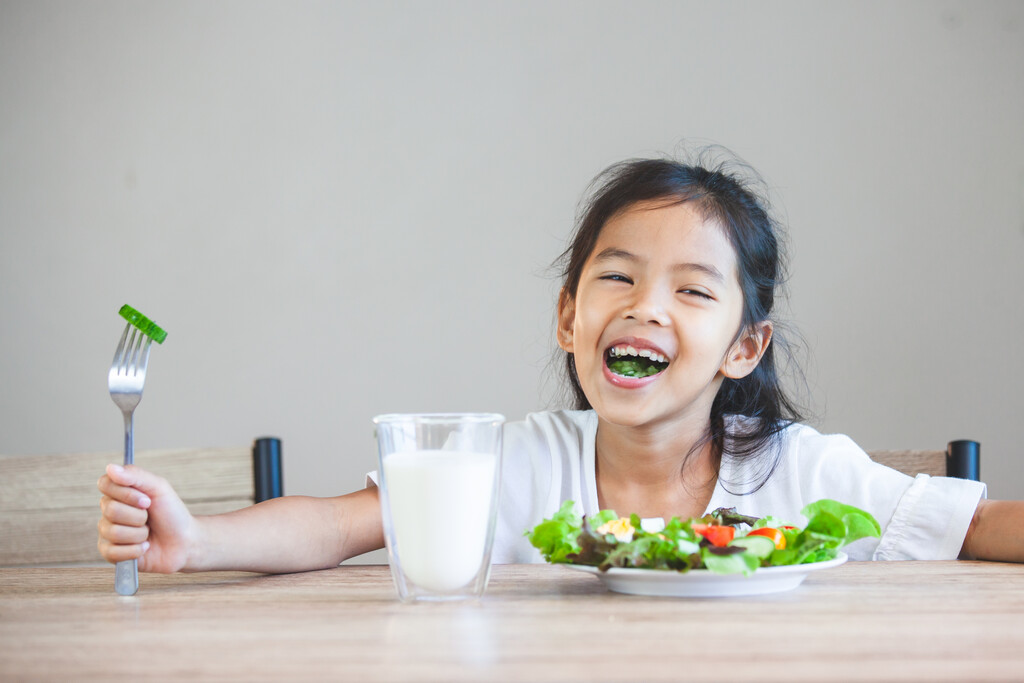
[(701, 583)]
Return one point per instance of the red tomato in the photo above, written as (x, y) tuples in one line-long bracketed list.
[(716, 534), (774, 535)]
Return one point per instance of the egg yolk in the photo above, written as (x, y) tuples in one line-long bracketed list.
[(620, 528)]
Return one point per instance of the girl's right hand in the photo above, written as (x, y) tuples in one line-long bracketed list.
[(143, 518)]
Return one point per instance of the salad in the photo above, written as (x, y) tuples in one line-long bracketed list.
[(723, 542)]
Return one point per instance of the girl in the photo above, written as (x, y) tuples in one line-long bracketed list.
[(665, 316)]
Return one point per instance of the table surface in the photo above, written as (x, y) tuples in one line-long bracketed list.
[(935, 621)]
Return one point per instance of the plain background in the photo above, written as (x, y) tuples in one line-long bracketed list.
[(340, 209)]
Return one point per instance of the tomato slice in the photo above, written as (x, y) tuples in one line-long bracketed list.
[(717, 534), (774, 535)]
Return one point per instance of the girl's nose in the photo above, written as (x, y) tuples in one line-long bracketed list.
[(647, 307)]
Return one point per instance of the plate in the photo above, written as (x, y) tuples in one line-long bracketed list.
[(701, 583)]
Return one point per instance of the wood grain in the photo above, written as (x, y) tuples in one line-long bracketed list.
[(49, 504), (913, 462), (863, 621)]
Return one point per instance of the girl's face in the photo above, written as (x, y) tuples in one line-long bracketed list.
[(659, 293)]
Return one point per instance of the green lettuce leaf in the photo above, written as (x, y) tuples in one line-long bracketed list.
[(734, 563), (859, 524), (557, 538), (830, 526)]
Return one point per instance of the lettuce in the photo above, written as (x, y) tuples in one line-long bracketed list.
[(558, 537), (830, 526), (857, 523), (567, 537)]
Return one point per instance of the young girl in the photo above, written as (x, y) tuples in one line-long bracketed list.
[(665, 316)]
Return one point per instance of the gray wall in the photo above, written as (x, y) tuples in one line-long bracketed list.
[(343, 209)]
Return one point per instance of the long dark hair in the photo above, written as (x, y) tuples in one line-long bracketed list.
[(729, 200)]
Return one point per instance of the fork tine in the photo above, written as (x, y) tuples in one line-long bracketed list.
[(120, 348), (132, 362), (129, 353), (140, 367)]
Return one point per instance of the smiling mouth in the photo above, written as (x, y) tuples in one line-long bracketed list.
[(627, 361)]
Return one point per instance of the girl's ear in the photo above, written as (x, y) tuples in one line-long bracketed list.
[(566, 320), (746, 353)]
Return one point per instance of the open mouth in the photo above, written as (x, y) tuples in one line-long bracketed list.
[(627, 361)]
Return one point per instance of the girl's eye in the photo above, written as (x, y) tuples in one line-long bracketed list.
[(616, 277), (695, 292)]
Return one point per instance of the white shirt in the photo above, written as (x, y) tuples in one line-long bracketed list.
[(550, 457)]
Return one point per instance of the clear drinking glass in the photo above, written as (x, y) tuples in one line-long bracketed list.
[(439, 480)]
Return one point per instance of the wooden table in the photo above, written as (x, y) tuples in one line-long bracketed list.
[(892, 621)]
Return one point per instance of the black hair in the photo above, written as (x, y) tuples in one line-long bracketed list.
[(726, 198)]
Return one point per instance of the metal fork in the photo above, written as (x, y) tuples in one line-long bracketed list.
[(126, 379)]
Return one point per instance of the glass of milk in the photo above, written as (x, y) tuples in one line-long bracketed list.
[(439, 477)]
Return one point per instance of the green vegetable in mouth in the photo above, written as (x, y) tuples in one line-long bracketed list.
[(635, 367)]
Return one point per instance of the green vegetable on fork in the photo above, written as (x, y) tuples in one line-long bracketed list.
[(143, 324)]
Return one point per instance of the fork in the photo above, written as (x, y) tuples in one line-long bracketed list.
[(126, 379)]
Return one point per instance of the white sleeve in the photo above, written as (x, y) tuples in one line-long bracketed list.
[(931, 519), (922, 518)]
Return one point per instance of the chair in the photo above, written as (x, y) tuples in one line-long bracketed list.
[(960, 459), (49, 505)]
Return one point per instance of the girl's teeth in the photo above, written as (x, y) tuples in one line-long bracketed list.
[(619, 351)]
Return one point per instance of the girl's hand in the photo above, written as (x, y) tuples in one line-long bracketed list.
[(143, 518)]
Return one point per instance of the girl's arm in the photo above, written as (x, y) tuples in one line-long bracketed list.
[(996, 532), (143, 518)]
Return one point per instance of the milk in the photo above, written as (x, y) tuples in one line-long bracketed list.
[(440, 504)]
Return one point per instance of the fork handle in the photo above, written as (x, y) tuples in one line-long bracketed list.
[(129, 437), (126, 577), (126, 574)]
